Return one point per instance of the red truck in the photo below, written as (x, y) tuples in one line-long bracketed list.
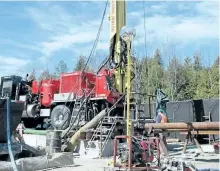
[(58, 99)]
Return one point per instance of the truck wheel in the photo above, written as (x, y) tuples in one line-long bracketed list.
[(60, 117)]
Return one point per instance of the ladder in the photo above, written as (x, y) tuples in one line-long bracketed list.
[(209, 119), (76, 106), (109, 123)]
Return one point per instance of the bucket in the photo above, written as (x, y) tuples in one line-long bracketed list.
[(53, 142)]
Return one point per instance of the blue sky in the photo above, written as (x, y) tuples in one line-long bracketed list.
[(39, 34)]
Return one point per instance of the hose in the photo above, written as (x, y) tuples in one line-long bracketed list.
[(77, 115), (9, 135), (90, 55)]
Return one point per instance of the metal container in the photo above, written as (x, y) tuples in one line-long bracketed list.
[(53, 142)]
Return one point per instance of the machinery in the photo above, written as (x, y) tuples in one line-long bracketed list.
[(138, 153), (78, 100), (58, 99), (13, 87), (79, 96), (142, 151)]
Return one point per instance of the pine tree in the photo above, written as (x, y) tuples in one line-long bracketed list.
[(197, 62), (180, 80), (176, 80), (80, 63), (189, 75), (215, 78)]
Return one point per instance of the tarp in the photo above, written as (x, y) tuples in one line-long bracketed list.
[(212, 106), (180, 112)]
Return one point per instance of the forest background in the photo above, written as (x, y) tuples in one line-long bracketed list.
[(180, 80)]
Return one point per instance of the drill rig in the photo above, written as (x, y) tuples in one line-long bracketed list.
[(120, 63)]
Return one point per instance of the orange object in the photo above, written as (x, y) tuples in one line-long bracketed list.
[(164, 118)]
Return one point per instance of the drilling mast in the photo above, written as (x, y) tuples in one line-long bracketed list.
[(120, 53), (117, 22)]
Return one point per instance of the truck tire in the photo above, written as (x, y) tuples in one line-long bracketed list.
[(60, 117)]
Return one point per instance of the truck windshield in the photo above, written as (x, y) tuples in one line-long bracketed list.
[(6, 88)]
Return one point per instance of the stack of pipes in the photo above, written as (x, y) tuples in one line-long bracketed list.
[(208, 127)]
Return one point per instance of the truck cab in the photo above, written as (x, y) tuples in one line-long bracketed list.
[(13, 86)]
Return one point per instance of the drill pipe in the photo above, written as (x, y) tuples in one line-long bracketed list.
[(91, 124), (183, 125)]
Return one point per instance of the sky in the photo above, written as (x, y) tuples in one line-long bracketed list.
[(40, 34)]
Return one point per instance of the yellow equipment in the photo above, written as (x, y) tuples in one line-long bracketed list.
[(123, 63), (117, 22)]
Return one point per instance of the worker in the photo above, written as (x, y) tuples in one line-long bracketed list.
[(19, 132), (161, 117)]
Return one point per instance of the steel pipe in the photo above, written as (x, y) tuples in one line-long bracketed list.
[(184, 130), (91, 124), (183, 125)]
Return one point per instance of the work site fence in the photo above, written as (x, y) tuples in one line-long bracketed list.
[(186, 111)]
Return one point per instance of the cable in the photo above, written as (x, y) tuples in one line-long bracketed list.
[(95, 43), (145, 40), (85, 101), (97, 37), (145, 32), (90, 55), (9, 135), (82, 73)]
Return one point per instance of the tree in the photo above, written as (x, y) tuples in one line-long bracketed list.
[(197, 62), (216, 62), (60, 68), (215, 79), (188, 73), (176, 81), (151, 73), (80, 63), (157, 57), (143, 73), (203, 86), (32, 76), (45, 75)]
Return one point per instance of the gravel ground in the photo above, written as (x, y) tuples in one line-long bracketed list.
[(84, 164), (201, 161)]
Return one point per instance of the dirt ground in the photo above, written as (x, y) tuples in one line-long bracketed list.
[(208, 160)]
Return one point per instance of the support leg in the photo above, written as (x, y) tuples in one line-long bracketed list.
[(186, 142), (198, 145), (162, 145)]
